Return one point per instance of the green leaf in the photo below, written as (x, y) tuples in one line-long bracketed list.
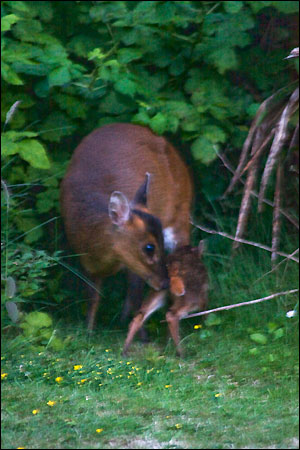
[(259, 338), (278, 333), (204, 150), (59, 76), (141, 118), (34, 153), (213, 133), (55, 126), (233, 7), (8, 21), (126, 86), (205, 334), (212, 319), (9, 75), (158, 123), (126, 55), (272, 326), (38, 319)]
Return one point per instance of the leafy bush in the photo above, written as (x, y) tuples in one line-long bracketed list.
[(194, 71)]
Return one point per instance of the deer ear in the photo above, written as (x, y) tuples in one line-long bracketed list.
[(118, 208), (177, 286), (141, 194)]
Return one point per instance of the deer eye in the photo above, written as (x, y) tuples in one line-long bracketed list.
[(149, 249)]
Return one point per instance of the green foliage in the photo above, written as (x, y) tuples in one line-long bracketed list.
[(38, 331), (194, 71)]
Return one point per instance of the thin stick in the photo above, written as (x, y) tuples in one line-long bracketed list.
[(258, 300), (244, 241), (268, 202), (275, 267)]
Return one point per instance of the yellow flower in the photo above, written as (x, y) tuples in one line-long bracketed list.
[(77, 367), (108, 350), (82, 381), (3, 376), (178, 425), (218, 395), (168, 386), (197, 326), (35, 411), (51, 403), (139, 383), (21, 447), (99, 430), (58, 379)]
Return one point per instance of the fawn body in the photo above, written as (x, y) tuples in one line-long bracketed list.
[(188, 292)]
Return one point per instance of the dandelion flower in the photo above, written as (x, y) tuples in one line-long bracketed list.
[(58, 379), (139, 383), (77, 367), (99, 430), (218, 395), (178, 425), (51, 403), (3, 376), (196, 327), (168, 386), (35, 411)]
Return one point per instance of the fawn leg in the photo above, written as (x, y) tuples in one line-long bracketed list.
[(173, 317), (153, 302)]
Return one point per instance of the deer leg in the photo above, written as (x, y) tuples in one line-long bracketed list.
[(93, 304), (153, 302), (133, 301)]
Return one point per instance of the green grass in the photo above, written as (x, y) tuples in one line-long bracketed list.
[(227, 392)]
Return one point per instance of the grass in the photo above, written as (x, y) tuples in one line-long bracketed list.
[(229, 391)]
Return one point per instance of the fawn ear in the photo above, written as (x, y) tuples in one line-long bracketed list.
[(177, 286)]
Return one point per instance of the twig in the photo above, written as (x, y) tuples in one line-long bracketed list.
[(268, 202), (275, 267), (278, 142), (243, 241), (276, 215), (251, 302)]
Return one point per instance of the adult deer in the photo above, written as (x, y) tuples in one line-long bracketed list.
[(126, 195)]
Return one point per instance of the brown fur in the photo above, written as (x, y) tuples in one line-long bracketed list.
[(116, 157), (188, 292)]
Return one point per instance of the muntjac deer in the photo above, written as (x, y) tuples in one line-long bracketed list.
[(188, 291), (125, 196)]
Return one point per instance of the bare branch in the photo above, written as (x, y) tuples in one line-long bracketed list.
[(277, 265), (246, 203), (278, 143), (268, 202), (244, 241), (276, 215), (251, 302)]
